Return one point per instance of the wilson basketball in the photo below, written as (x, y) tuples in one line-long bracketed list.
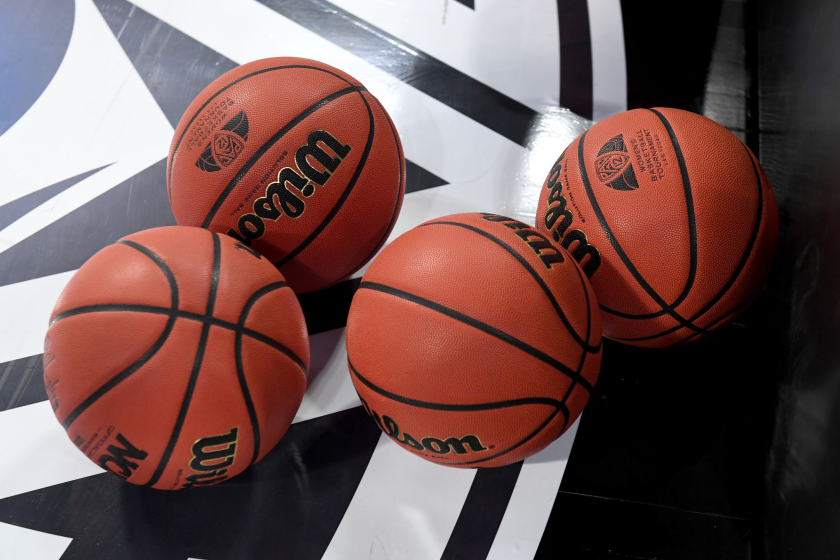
[(671, 217), (473, 341), (176, 358), (294, 158)]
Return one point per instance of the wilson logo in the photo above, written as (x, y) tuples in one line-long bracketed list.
[(122, 459), (316, 161), (212, 456), (226, 145), (438, 446), (541, 246), (558, 219), (613, 166)]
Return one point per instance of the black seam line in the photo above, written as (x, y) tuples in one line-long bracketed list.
[(750, 246), (584, 353), (707, 330), (246, 167), (522, 442), (401, 183), (452, 407), (356, 174), (581, 342), (123, 375), (120, 377), (214, 281), (185, 405), (240, 368), (606, 309), (170, 277), (692, 230), (617, 247), (558, 407), (484, 327), (180, 314), (215, 95), (199, 358), (723, 317), (735, 274), (689, 208)]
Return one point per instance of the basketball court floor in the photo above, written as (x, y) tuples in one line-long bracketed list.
[(485, 95)]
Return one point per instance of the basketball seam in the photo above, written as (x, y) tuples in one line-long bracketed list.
[(479, 325), (584, 353), (170, 277), (452, 407), (689, 209), (562, 408), (344, 195), (120, 377), (723, 317), (397, 205), (735, 274), (196, 369), (692, 229), (623, 315), (140, 362), (233, 83), (268, 144), (617, 247), (525, 264), (545, 401), (240, 368), (181, 314)]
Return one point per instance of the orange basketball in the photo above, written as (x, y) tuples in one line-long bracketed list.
[(473, 341), (672, 219), (294, 158), (176, 357)]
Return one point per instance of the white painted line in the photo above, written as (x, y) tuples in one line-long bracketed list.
[(609, 67), (533, 497), (329, 387), (75, 197), (37, 452), (405, 507), (17, 543), (98, 111), (27, 307)]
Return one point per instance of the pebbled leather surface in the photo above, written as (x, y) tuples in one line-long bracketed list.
[(165, 383), (452, 335), (335, 227), (686, 231)]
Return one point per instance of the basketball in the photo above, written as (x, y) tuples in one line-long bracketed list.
[(294, 158), (671, 217), (473, 341), (176, 358)]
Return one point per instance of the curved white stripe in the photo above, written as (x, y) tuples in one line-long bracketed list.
[(609, 67), (533, 497), (95, 111), (509, 45), (77, 196), (405, 507), (329, 387)]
